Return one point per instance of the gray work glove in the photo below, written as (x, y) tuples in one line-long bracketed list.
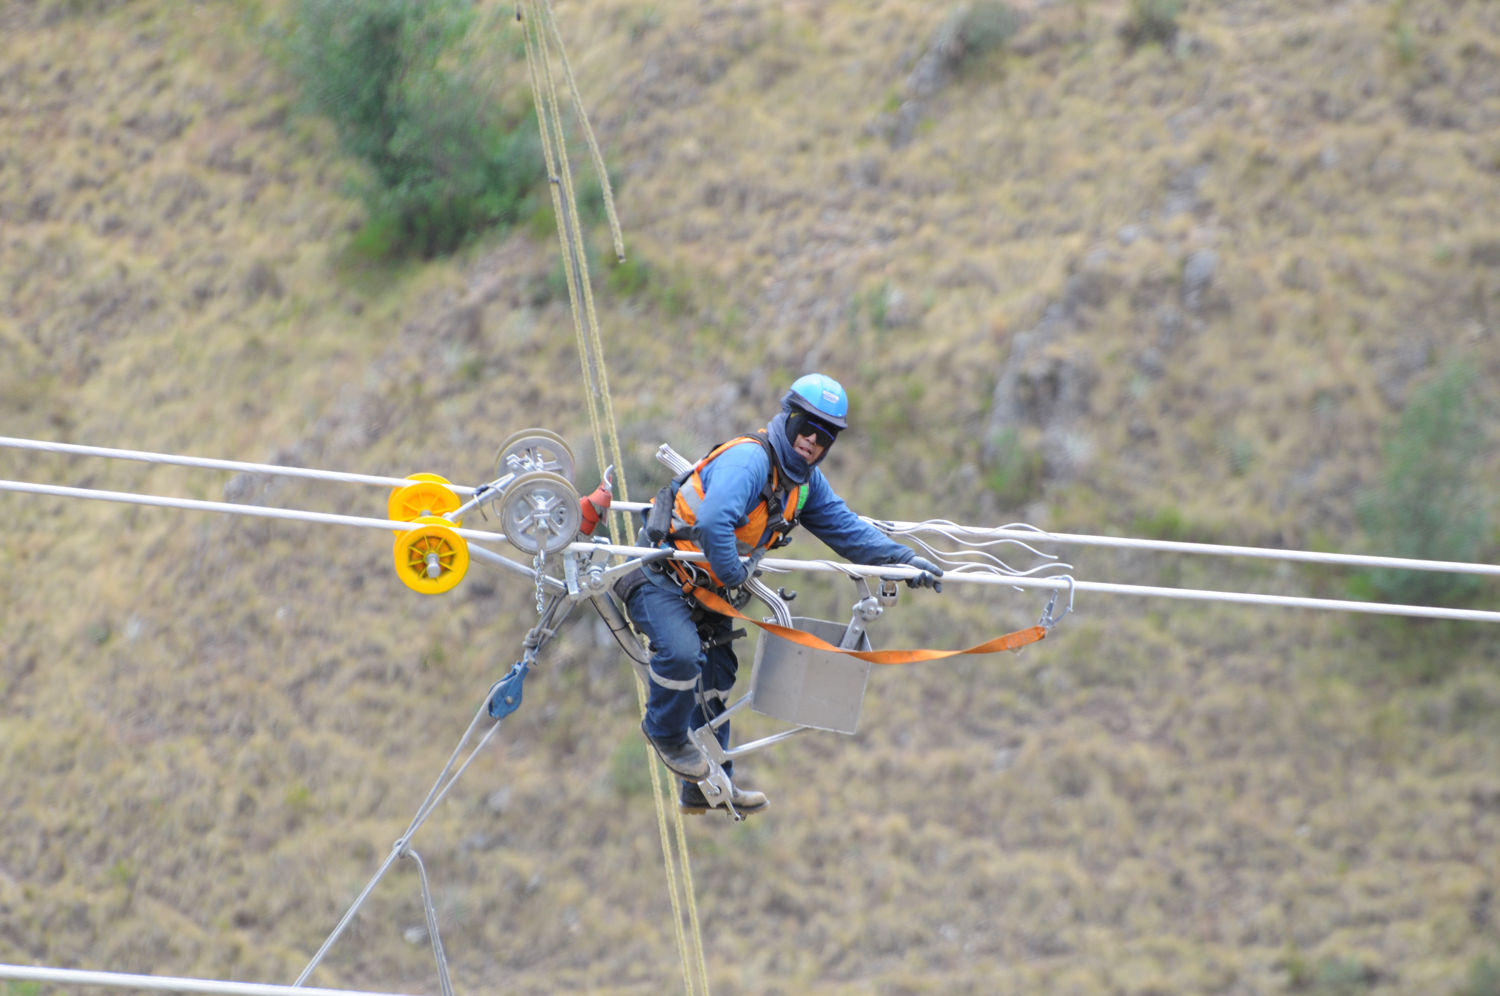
[(929, 576)]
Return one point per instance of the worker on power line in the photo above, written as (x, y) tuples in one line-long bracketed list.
[(740, 500)]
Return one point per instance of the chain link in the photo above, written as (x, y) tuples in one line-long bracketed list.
[(537, 564)]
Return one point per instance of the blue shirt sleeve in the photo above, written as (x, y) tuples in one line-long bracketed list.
[(831, 520), (731, 488)]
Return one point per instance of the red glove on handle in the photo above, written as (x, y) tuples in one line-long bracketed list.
[(596, 506)]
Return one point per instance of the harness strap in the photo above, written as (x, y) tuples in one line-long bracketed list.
[(1010, 641), (775, 497)]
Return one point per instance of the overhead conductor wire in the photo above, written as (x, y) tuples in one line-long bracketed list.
[(893, 571), (540, 27), (270, 469), (973, 538), (161, 983)]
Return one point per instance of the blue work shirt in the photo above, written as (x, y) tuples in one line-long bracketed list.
[(732, 484)]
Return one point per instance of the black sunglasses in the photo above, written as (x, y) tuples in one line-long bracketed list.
[(803, 424)]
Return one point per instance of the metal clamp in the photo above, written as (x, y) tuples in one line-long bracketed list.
[(585, 578), (866, 610), (483, 493), (716, 788), (1048, 620)]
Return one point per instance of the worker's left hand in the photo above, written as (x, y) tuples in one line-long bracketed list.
[(929, 576)]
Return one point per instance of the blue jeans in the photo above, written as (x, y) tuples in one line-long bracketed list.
[(682, 672)]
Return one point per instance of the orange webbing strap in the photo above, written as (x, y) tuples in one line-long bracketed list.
[(1010, 641)]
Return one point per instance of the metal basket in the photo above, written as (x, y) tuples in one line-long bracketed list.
[(809, 687)]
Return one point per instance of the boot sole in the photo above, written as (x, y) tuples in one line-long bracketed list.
[(701, 810), (692, 776)]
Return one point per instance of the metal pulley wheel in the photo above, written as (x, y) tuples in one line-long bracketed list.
[(539, 513), (429, 495), (431, 558), (535, 449)]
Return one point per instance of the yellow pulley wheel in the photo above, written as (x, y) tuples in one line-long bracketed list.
[(431, 558), (429, 495)]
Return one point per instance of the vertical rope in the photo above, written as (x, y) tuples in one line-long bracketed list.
[(658, 794), (585, 285), (537, 15), (588, 131), (543, 99), (692, 900)]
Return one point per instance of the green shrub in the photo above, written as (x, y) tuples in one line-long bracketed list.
[(987, 25), (445, 162), (1150, 21), (1328, 976), (973, 30), (630, 767), (1427, 505), (1164, 524), (630, 277), (638, 279), (1015, 473), (1484, 978)]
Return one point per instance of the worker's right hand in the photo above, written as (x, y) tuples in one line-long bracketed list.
[(929, 576)]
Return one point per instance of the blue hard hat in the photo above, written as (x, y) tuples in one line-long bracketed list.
[(821, 396)]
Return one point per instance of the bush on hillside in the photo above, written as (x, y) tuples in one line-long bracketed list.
[(1484, 978), (445, 163), (1427, 505), (1150, 21), (973, 30), (1015, 471)]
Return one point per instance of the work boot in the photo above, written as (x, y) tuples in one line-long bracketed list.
[(681, 756), (693, 802)]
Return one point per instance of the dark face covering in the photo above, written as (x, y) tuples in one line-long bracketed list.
[(796, 469)]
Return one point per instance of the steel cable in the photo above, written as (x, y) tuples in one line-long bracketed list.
[(896, 571)]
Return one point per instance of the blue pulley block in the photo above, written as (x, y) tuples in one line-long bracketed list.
[(505, 696)]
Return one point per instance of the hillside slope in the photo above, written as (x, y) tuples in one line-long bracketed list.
[(1094, 288)]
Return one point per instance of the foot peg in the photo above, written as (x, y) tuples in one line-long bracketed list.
[(718, 791), (694, 800), (716, 787)]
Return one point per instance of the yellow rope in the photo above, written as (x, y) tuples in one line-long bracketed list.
[(543, 98), (588, 131), (600, 373), (591, 356), (658, 793)]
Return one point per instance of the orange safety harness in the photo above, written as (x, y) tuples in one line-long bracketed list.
[(766, 525)]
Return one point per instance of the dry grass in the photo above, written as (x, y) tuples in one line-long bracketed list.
[(212, 730)]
